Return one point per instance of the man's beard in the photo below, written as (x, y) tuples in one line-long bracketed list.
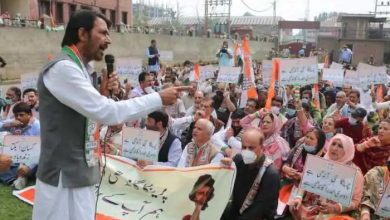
[(236, 130)]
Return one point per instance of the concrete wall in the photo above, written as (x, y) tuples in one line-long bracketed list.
[(16, 6), (26, 50), (362, 49)]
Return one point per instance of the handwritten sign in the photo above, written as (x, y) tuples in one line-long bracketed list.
[(384, 205), (329, 179), (129, 69), (336, 66), (336, 76), (166, 55), (161, 193), (267, 71), (352, 78), (229, 74), (141, 144), (22, 149), (369, 75), (29, 80), (301, 71), (207, 72)]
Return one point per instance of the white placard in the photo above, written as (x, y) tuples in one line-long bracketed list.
[(352, 78), (267, 71), (384, 205), (166, 55), (129, 69), (140, 144), (207, 72), (329, 179), (228, 74), (22, 149), (369, 75), (29, 80), (336, 76), (336, 66), (301, 71)]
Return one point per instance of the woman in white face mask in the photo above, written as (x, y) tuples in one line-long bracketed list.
[(292, 169), (312, 143), (308, 205)]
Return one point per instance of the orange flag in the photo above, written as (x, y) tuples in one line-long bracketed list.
[(197, 72), (274, 77), (316, 96), (379, 93), (252, 93), (247, 58)]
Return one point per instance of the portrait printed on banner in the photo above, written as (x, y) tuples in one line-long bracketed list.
[(201, 194)]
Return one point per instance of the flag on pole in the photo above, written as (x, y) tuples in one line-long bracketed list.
[(197, 72), (271, 89)]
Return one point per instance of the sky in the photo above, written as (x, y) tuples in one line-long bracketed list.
[(287, 9)]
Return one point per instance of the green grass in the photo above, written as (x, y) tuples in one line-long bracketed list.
[(11, 208)]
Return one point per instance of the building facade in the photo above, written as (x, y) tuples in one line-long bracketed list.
[(118, 11)]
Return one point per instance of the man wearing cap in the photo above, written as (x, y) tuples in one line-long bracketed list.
[(353, 126), (345, 55)]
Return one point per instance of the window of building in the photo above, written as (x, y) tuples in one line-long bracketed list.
[(124, 17), (112, 17), (59, 13)]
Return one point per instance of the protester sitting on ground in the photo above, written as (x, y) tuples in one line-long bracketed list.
[(170, 149), (307, 205), (275, 147), (5, 162), (354, 125), (23, 124), (198, 97), (14, 94), (200, 151), (30, 96), (375, 182), (341, 100), (374, 151), (256, 188)]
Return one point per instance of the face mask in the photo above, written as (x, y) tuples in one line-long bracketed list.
[(149, 90), (291, 112), (275, 110), (329, 135), (304, 100), (352, 121), (248, 156), (309, 149)]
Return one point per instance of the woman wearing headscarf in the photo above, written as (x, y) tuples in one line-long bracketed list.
[(292, 168), (375, 182), (274, 146), (313, 206), (375, 150)]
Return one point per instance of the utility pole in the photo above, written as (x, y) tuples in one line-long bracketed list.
[(218, 9), (382, 4)]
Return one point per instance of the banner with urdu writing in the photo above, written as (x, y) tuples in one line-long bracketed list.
[(162, 192)]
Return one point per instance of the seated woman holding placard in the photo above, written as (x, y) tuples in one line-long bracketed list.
[(375, 182), (292, 168), (310, 206)]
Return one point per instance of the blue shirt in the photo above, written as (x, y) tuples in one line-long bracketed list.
[(345, 55), (32, 129)]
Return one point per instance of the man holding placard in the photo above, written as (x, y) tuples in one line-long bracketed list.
[(170, 146), (23, 124)]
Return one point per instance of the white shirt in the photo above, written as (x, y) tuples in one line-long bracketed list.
[(183, 160), (174, 154), (73, 87)]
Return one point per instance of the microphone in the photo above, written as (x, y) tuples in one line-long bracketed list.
[(109, 59)]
